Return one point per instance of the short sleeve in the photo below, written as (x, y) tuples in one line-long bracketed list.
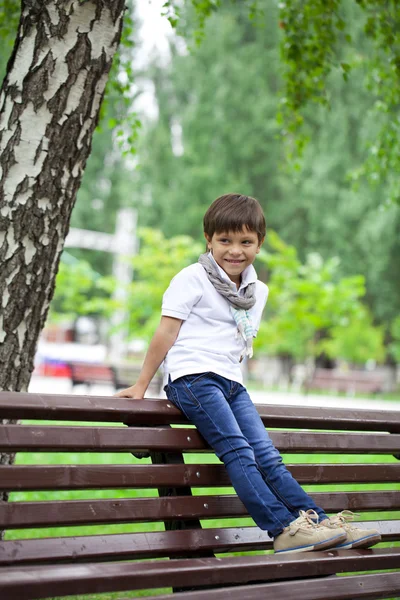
[(184, 291), (262, 297)]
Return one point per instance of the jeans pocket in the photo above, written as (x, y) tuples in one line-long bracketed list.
[(172, 395)]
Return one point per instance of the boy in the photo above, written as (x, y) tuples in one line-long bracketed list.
[(210, 314)]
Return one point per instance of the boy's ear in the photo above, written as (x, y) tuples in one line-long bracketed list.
[(259, 245), (208, 240)]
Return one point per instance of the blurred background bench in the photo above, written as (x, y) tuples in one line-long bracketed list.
[(119, 377), (350, 382)]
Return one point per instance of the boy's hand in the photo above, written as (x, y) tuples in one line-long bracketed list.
[(135, 391), (163, 339)]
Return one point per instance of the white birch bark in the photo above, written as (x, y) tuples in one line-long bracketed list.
[(49, 106)]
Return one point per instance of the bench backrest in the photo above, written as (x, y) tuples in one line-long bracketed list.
[(91, 372), (347, 456), (347, 381), (119, 376)]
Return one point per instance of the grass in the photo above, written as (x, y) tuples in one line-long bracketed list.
[(127, 458)]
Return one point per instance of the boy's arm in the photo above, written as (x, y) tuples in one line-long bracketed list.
[(163, 339)]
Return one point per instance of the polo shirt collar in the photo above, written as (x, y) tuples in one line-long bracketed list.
[(249, 275)]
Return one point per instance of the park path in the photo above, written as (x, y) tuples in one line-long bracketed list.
[(59, 385)]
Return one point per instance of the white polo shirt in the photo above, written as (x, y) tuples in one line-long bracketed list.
[(208, 339)]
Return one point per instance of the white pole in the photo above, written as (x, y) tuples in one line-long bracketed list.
[(125, 248)]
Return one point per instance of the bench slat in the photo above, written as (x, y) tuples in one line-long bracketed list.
[(150, 545), (30, 583), (25, 438), (372, 585), (18, 515), (85, 477), (20, 405)]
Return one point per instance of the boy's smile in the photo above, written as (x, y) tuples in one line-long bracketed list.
[(233, 251)]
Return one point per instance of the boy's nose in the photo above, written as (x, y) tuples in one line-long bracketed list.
[(235, 251)]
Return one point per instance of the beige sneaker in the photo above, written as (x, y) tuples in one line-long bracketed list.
[(356, 537), (304, 534)]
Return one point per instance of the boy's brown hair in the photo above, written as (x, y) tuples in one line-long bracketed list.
[(232, 212)]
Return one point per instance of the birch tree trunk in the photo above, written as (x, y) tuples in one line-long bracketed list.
[(49, 106)]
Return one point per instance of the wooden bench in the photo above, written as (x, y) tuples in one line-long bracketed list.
[(89, 374), (350, 382), (177, 523)]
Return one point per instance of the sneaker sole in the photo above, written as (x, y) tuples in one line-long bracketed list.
[(332, 542), (365, 542)]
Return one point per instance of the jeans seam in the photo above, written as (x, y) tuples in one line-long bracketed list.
[(191, 394), (175, 400), (197, 379), (276, 491), (245, 474)]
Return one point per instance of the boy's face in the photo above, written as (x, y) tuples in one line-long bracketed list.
[(234, 251)]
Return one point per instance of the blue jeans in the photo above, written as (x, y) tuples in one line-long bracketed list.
[(227, 419)]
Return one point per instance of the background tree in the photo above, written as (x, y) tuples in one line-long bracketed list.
[(81, 290), (316, 40), (312, 310), (49, 105), (76, 285), (106, 186), (395, 345), (216, 130), (216, 127)]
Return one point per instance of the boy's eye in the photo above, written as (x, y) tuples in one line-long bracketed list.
[(226, 241)]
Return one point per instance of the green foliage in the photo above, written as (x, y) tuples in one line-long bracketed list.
[(158, 261), (315, 42), (80, 290), (310, 31), (107, 181), (224, 96), (383, 28), (75, 283), (203, 9), (119, 96), (394, 347), (10, 11), (106, 187), (312, 310), (356, 342)]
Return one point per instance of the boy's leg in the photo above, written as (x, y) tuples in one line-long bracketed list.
[(203, 399), (269, 461)]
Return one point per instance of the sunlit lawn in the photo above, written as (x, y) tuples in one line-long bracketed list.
[(126, 458)]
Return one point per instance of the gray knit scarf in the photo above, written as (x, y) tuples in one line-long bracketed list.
[(239, 304)]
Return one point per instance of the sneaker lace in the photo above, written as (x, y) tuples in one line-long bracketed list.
[(307, 519), (345, 518)]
